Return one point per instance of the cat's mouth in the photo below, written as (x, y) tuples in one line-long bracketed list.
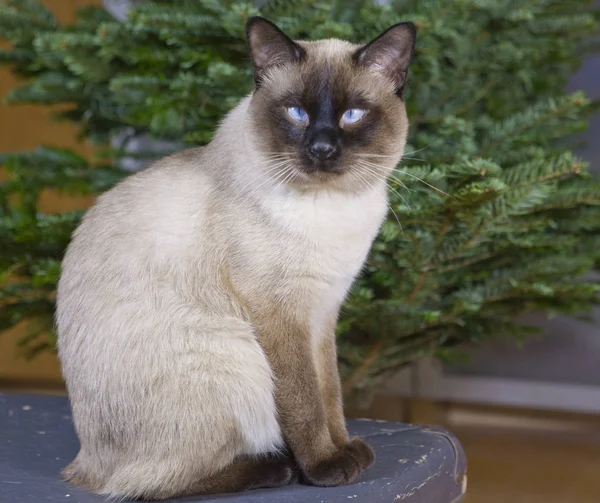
[(323, 169)]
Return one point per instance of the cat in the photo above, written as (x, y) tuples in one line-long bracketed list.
[(198, 299)]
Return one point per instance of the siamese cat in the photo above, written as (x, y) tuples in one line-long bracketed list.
[(198, 299)]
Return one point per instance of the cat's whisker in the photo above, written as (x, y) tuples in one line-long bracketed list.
[(399, 182), (412, 176), (388, 204), (382, 179), (274, 160), (424, 182), (364, 182), (419, 150), (289, 175), (376, 155), (293, 175), (277, 168), (270, 169), (276, 163), (406, 155), (376, 176), (390, 176), (282, 171), (383, 171), (397, 219), (270, 166), (379, 156)]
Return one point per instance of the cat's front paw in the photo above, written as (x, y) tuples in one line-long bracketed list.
[(343, 467), (276, 472), (362, 452)]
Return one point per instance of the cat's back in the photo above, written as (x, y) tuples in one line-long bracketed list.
[(159, 208), (137, 243)]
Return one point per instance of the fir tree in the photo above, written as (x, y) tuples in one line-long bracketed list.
[(491, 214)]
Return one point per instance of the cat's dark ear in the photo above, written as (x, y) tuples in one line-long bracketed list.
[(390, 53), (269, 46)]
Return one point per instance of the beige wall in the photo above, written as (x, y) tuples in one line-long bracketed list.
[(24, 127)]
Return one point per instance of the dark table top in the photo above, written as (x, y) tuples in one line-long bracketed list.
[(413, 464)]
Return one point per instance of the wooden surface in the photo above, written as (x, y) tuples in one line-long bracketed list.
[(518, 455), (530, 467), (414, 464)]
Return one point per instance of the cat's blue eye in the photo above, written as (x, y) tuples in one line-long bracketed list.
[(353, 115), (298, 114)]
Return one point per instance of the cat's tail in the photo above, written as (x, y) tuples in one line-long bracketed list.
[(152, 480), (76, 473), (164, 481)]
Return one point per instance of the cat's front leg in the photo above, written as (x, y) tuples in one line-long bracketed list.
[(301, 406), (331, 387)]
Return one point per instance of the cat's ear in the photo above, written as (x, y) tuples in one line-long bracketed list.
[(390, 53), (269, 46)]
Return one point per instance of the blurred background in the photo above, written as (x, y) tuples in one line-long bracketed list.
[(528, 417)]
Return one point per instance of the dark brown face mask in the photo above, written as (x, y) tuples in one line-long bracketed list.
[(328, 107)]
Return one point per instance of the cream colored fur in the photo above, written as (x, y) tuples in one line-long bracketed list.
[(167, 380)]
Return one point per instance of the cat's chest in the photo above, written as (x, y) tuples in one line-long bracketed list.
[(329, 233)]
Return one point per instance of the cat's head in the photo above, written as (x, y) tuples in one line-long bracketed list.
[(329, 112)]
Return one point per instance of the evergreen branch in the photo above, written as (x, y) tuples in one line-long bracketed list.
[(461, 109), (523, 220), (531, 118), (466, 263), (363, 370)]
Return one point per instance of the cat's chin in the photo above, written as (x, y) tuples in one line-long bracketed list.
[(318, 177), (322, 175), (331, 167), (324, 180)]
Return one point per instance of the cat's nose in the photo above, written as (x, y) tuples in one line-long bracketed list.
[(322, 150), (324, 145)]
